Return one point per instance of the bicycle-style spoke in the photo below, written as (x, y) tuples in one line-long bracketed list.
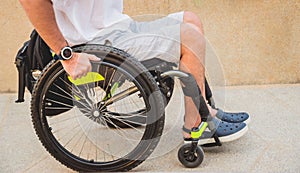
[(130, 118), (123, 133), (60, 103), (125, 121), (52, 122), (121, 95), (61, 95), (110, 80)]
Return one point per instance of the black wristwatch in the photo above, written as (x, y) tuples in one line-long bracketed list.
[(66, 53)]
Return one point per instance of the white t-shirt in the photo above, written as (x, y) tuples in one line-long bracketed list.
[(81, 21)]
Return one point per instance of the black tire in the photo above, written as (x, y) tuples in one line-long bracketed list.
[(190, 159), (78, 138)]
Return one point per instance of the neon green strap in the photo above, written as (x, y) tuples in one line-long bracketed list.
[(89, 78), (197, 132)]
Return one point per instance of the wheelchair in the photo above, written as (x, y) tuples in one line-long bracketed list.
[(110, 120)]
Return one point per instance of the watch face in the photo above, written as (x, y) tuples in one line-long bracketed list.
[(66, 53)]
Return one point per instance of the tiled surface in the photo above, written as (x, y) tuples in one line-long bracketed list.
[(271, 144)]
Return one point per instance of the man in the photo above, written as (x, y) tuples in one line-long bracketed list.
[(178, 38)]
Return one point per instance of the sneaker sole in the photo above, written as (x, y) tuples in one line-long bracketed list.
[(225, 139)]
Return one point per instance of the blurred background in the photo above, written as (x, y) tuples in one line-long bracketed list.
[(255, 42)]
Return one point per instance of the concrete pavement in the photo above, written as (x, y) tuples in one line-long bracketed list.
[(272, 143)]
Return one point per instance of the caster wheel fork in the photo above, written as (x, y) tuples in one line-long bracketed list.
[(191, 155)]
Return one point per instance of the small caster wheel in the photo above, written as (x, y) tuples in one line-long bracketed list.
[(189, 157)]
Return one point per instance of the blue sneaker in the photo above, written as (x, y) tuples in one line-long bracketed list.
[(225, 131), (238, 117)]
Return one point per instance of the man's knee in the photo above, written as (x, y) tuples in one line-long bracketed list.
[(192, 18), (190, 35)]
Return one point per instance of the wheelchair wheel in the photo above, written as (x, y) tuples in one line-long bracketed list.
[(188, 158), (80, 138)]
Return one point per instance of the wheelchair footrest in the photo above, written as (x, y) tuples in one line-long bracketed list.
[(215, 144)]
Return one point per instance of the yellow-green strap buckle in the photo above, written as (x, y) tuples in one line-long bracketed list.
[(197, 132)]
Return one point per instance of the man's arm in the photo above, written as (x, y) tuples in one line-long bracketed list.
[(41, 15)]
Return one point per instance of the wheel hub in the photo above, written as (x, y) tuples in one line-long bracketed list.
[(97, 116), (96, 113)]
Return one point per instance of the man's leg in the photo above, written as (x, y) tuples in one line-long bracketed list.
[(237, 117), (193, 62)]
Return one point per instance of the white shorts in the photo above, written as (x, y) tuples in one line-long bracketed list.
[(145, 40)]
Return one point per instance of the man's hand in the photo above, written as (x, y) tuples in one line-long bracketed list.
[(79, 65)]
